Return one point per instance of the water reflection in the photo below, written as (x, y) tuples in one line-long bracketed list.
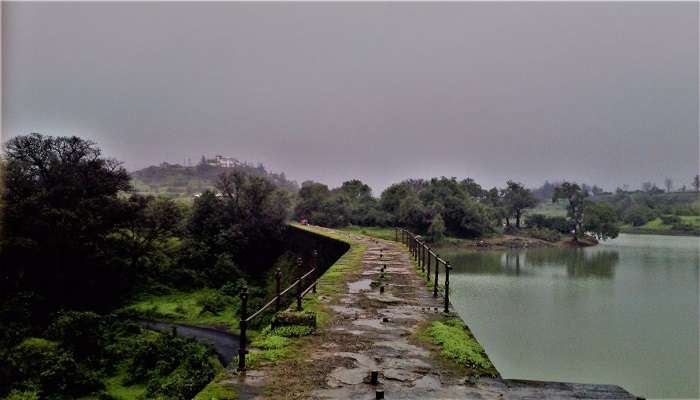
[(578, 263)]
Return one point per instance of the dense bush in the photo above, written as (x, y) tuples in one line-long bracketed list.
[(559, 224), (670, 219), (214, 302), (23, 395), (639, 215), (78, 331), (546, 234), (171, 366), (43, 365)]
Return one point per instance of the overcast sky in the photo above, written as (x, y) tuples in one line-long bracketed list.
[(605, 93)]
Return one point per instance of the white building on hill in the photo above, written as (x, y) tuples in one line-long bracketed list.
[(223, 162)]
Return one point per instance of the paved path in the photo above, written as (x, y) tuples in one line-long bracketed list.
[(225, 344), (376, 331)]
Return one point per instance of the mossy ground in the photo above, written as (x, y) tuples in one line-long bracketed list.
[(217, 389), (458, 345)]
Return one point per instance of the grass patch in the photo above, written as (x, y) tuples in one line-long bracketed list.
[(186, 308), (272, 346), (217, 390), (271, 342), (458, 344), (657, 226), (115, 388), (293, 331), (372, 231)]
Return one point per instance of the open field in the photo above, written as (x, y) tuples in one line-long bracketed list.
[(656, 226)]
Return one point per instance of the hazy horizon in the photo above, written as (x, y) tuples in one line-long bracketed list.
[(602, 93)]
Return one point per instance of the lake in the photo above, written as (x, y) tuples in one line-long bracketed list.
[(624, 312)]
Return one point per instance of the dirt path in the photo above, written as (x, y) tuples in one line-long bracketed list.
[(374, 331), (382, 326)]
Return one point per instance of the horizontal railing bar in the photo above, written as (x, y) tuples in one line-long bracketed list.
[(282, 293), (308, 273), (292, 286), (263, 308), (309, 288)]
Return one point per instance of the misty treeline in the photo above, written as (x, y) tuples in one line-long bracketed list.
[(76, 243), (443, 206), (646, 204)]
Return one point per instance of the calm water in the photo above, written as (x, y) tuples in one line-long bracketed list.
[(624, 312)]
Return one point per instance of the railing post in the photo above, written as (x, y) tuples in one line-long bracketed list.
[(435, 282), (425, 250), (243, 325), (428, 274), (278, 289), (447, 287), (300, 265), (420, 255), (396, 234), (315, 266), (421, 260)]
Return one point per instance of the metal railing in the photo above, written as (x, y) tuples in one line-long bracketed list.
[(245, 319), (426, 258)]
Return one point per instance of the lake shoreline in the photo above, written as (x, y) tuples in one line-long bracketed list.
[(660, 232), (508, 242)]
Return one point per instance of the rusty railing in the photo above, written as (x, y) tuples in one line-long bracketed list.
[(245, 319), (426, 258)]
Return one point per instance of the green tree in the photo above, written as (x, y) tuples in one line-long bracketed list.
[(696, 183), (413, 215), (152, 221), (494, 198), (391, 198), (436, 230), (61, 204), (600, 220), (517, 199), (311, 198), (576, 201), (362, 207), (238, 227), (639, 215)]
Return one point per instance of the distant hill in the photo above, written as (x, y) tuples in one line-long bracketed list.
[(175, 180)]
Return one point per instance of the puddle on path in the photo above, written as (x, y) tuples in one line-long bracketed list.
[(360, 286)]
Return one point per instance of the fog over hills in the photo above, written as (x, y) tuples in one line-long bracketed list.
[(605, 93)]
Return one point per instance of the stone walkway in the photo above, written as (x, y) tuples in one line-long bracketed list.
[(375, 331)]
